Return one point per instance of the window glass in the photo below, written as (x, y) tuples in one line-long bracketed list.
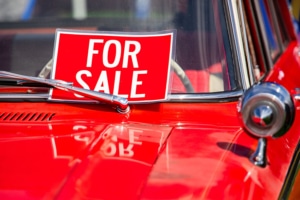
[(257, 73), (272, 39), (284, 37), (202, 44)]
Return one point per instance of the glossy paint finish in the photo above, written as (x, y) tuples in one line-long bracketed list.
[(156, 151), (218, 167), (214, 169), (84, 146)]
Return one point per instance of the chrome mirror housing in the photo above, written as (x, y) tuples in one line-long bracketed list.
[(266, 110)]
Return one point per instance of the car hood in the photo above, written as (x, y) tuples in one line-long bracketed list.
[(71, 159), (75, 160), (158, 151)]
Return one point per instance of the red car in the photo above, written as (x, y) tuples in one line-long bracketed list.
[(149, 99)]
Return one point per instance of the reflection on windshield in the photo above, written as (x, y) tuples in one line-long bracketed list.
[(27, 33)]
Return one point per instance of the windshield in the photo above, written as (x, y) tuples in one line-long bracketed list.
[(203, 59)]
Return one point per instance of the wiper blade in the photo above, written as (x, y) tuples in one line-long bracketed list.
[(120, 102)]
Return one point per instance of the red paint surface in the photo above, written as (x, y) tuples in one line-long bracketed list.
[(178, 151)]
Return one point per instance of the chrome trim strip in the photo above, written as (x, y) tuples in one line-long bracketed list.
[(201, 97), (172, 97), (206, 96), (24, 96), (289, 185), (245, 40), (236, 46)]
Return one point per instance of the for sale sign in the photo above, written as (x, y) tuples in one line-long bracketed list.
[(131, 65)]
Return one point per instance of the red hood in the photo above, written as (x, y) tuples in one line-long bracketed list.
[(57, 160), (79, 159), (76, 160), (78, 156)]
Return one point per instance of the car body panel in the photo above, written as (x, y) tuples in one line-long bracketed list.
[(194, 155), (174, 149)]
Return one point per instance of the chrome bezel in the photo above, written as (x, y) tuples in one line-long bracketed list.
[(278, 99), (279, 116)]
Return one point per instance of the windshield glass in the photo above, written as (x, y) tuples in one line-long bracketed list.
[(203, 59)]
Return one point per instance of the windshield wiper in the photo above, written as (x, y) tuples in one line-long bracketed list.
[(120, 103)]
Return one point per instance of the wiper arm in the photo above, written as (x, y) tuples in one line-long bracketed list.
[(120, 102)]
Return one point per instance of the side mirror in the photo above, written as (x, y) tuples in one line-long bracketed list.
[(266, 110)]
